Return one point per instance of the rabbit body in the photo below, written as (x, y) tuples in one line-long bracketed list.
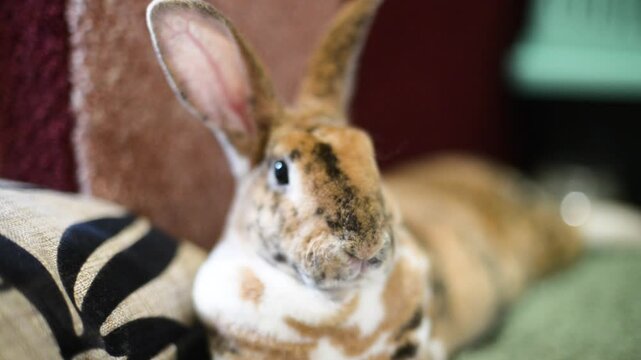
[(322, 257), (488, 233), (467, 240)]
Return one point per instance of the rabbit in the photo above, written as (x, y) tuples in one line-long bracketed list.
[(322, 257)]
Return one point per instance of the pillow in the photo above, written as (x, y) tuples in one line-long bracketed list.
[(83, 277)]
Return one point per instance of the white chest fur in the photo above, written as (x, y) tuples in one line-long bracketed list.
[(218, 290), (263, 309)]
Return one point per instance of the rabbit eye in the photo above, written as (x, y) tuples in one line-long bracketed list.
[(281, 173)]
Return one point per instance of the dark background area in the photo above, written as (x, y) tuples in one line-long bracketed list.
[(600, 136), (35, 113), (434, 80), (440, 84)]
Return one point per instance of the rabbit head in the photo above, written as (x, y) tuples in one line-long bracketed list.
[(309, 198)]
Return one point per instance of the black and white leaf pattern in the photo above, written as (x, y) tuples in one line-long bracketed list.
[(132, 339), (80, 240), (123, 274)]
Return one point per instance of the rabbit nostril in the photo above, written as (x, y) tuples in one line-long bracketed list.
[(351, 255), (374, 261)]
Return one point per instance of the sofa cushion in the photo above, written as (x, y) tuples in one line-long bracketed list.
[(80, 276)]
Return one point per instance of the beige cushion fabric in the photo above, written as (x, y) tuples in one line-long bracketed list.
[(83, 278)]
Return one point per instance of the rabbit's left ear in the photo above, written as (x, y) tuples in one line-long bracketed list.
[(215, 75), (330, 78)]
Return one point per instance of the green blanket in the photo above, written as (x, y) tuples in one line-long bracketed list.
[(590, 311)]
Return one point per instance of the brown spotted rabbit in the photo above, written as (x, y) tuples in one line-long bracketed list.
[(322, 258)]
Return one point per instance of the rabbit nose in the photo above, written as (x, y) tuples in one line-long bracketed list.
[(365, 255), (358, 266)]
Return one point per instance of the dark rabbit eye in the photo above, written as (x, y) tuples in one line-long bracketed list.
[(281, 173)]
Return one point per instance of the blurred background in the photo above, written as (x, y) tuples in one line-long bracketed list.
[(552, 87)]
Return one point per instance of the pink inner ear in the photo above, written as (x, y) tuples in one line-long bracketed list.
[(207, 67)]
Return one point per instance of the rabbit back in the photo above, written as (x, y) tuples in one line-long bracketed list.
[(488, 232)]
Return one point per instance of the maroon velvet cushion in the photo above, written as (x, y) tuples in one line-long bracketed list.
[(35, 117)]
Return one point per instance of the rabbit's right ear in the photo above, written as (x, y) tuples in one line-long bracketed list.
[(215, 75)]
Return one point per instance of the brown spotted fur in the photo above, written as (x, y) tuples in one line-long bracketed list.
[(404, 307), (251, 288), (345, 202), (486, 232)]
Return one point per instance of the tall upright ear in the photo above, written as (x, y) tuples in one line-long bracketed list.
[(215, 75), (329, 81)]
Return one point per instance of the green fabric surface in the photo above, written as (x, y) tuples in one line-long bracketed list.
[(591, 310)]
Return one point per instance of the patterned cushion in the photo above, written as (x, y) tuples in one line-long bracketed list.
[(80, 276)]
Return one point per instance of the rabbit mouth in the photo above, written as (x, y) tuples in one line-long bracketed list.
[(351, 274), (337, 285), (340, 288)]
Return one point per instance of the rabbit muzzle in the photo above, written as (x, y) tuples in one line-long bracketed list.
[(347, 265)]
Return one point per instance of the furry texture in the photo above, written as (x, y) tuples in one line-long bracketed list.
[(489, 234), (292, 320), (317, 259)]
